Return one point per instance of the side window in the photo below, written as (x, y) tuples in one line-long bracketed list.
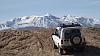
[(57, 33)]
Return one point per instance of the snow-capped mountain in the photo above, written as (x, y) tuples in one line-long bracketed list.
[(86, 22), (48, 21)]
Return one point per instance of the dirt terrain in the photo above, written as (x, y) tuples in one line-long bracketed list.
[(37, 42)]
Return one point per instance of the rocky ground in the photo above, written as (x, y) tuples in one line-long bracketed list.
[(37, 42)]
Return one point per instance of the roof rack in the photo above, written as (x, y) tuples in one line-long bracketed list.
[(70, 25)]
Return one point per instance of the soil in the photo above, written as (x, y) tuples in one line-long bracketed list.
[(38, 42)]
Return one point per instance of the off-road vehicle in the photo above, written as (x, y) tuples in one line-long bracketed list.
[(68, 37)]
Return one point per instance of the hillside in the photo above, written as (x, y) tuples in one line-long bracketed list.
[(37, 42)]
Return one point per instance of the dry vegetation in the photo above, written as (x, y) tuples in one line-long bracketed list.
[(37, 42)]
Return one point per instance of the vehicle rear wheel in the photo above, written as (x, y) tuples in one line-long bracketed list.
[(60, 51), (81, 49)]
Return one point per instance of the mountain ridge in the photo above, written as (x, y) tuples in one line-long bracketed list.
[(48, 21)]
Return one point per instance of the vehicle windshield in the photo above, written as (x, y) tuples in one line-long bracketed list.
[(68, 33)]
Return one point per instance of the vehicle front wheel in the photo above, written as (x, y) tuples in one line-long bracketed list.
[(54, 46)]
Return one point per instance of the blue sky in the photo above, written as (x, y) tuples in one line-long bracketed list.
[(16, 8)]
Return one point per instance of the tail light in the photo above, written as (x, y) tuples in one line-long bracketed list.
[(61, 41)]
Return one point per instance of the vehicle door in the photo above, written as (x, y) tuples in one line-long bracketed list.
[(56, 37)]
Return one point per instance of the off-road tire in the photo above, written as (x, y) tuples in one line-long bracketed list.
[(60, 51), (81, 49), (54, 46), (71, 39)]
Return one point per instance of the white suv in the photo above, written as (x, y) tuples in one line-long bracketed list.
[(68, 37)]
